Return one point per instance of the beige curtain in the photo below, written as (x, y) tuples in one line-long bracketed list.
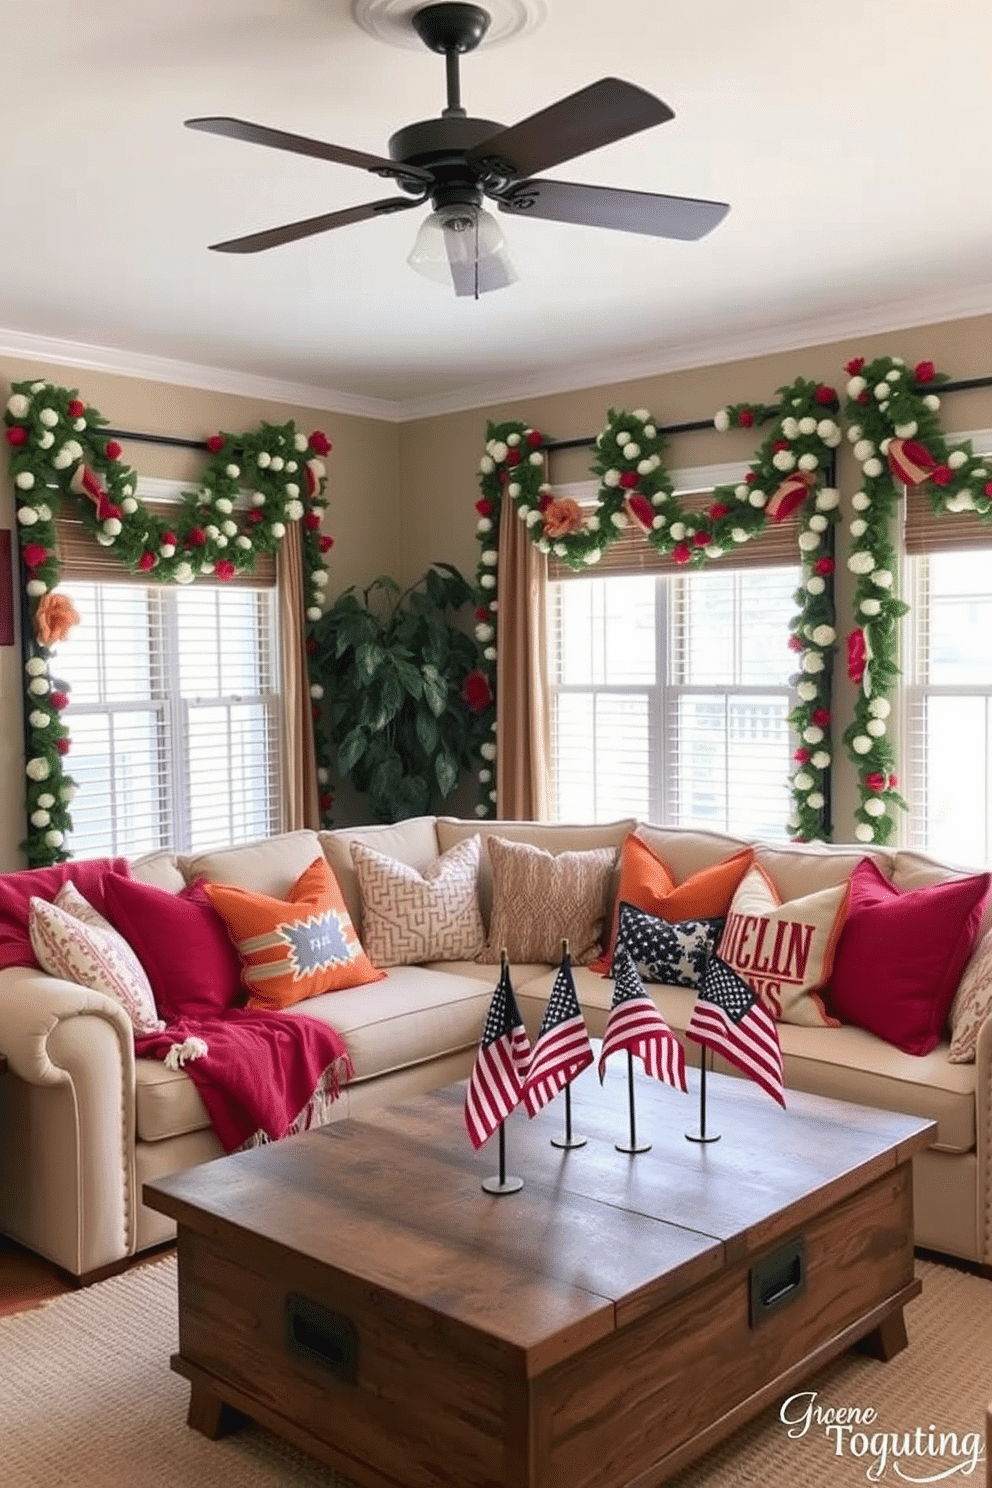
[(299, 764), (523, 733)]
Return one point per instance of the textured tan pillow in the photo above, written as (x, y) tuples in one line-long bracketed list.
[(542, 898), (410, 917), (785, 952), (972, 1003)]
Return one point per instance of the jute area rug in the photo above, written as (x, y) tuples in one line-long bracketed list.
[(87, 1400)]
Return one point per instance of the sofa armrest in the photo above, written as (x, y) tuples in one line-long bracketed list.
[(983, 1138), (67, 1131)]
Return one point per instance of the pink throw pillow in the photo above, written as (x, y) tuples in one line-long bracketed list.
[(901, 956), (181, 942)]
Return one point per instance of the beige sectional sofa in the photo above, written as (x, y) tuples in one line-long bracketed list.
[(83, 1123)]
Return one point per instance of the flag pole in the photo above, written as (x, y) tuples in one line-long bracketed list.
[(632, 1146), (569, 1139), (702, 1135), (502, 1184)]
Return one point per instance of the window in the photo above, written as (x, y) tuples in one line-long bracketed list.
[(173, 712), (947, 723), (670, 698)]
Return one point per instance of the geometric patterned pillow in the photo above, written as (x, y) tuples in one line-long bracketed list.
[(410, 917), (297, 947), (73, 941), (972, 1003), (662, 952), (542, 898)]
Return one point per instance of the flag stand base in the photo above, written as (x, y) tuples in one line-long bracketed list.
[(569, 1141), (507, 1185), (703, 1136), (630, 1147)]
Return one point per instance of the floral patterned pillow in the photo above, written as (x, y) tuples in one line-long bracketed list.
[(972, 1004), (72, 940)]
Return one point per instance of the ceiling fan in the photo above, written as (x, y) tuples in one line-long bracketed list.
[(455, 161)]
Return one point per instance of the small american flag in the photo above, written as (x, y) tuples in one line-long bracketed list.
[(563, 1048), (731, 1019), (497, 1080), (635, 1024)]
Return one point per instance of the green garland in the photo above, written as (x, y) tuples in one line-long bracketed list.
[(58, 454), (897, 439), (636, 488)]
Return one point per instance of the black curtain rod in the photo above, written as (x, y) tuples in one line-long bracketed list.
[(694, 426)]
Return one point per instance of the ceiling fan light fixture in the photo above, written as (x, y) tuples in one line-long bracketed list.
[(462, 245)]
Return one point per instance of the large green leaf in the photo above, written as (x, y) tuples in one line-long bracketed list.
[(435, 690), (446, 772), (352, 748), (392, 693), (427, 730), (368, 659)]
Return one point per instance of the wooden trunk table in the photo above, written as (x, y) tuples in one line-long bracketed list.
[(355, 1290)]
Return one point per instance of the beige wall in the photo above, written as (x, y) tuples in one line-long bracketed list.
[(440, 455), (402, 496), (363, 487)]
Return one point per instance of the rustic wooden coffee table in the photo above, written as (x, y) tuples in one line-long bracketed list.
[(354, 1290)]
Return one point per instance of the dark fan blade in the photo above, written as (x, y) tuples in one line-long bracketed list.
[(626, 211), (274, 236), (299, 144), (605, 111)]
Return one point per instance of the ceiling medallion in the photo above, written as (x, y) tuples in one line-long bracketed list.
[(392, 20)]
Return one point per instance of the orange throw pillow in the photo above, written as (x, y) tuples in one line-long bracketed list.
[(647, 883), (296, 948)]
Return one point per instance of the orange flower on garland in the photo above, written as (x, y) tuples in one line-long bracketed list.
[(54, 617), (561, 517)]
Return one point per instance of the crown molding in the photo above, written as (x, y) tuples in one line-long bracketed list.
[(675, 357), (897, 315), (30, 347)]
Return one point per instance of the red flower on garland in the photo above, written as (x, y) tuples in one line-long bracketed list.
[(513, 457), (629, 479), (941, 475), (544, 501), (824, 566), (857, 656), (875, 781), (60, 700), (534, 439), (853, 367), (146, 561), (215, 443), (63, 745), (717, 510), (326, 543), (256, 515), (745, 418), (751, 477), (196, 537), (33, 555), (477, 692), (825, 396), (801, 756), (864, 397), (924, 371), (988, 488), (821, 717), (484, 507), (312, 520), (112, 450), (681, 553), (701, 539), (795, 643), (225, 569), (482, 613), (17, 436), (77, 408), (893, 781), (319, 443), (326, 801), (780, 444)]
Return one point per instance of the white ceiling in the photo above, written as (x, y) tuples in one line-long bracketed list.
[(852, 140)]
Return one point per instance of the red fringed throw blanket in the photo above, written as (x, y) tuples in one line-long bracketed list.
[(262, 1076)]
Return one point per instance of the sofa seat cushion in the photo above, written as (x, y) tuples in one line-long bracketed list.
[(841, 1063), (167, 1102), (414, 1014)]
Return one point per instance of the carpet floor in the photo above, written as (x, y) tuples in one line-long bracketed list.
[(87, 1400)]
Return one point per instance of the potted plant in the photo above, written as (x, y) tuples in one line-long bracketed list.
[(399, 721)]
